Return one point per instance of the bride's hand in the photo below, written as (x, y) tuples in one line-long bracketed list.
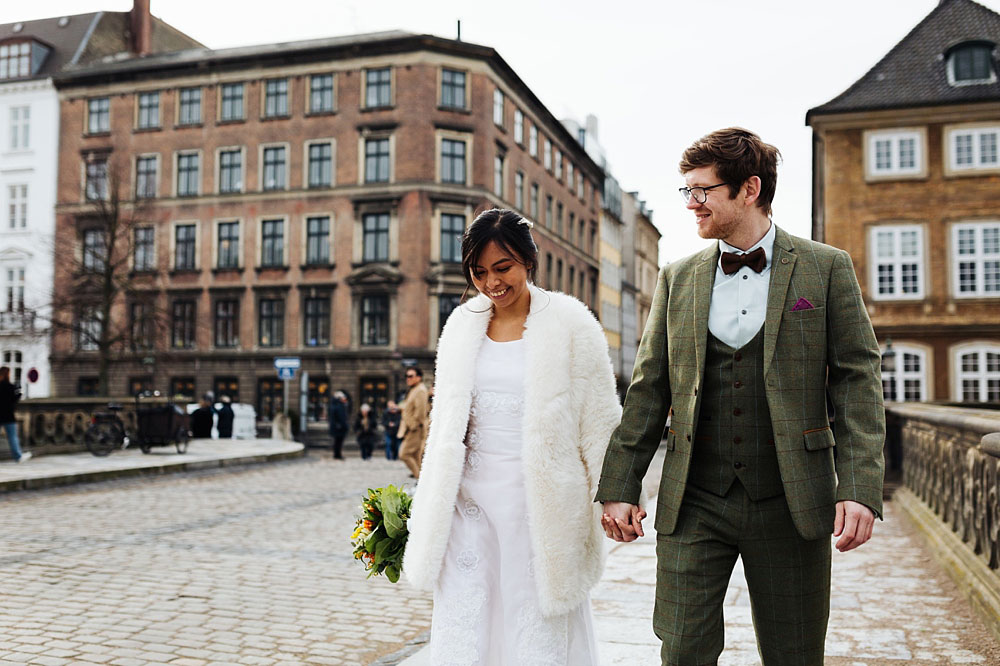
[(622, 521)]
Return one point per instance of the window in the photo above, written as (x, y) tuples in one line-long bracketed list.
[(498, 107), (973, 148), (446, 305), (579, 185), (978, 373), (895, 153), (534, 201), (559, 164), (145, 177), (533, 141), (275, 98), (188, 166), (904, 379), (518, 126), (452, 228), (375, 320), (190, 106), (452, 161), (232, 102), (227, 386), (317, 398), (141, 326), (15, 60), (230, 171), (321, 93), (185, 240), (378, 87), (377, 160), (17, 206), (452, 89), (547, 155), (272, 249), (320, 164), (897, 271), (228, 245), (970, 64), (15, 289), (14, 360), (519, 190), (144, 257), (96, 186), (548, 270), (274, 168), (569, 175), (571, 227), (559, 218), (272, 322), (270, 397), (139, 384), (318, 240), (976, 259), (548, 211), (182, 324), (317, 329), (498, 174), (375, 239), (98, 115), (95, 250), (88, 330), (227, 323), (182, 388), (571, 282), (20, 127), (149, 111)]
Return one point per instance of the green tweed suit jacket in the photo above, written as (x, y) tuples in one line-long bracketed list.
[(805, 350)]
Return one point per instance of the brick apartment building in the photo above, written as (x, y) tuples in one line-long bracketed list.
[(307, 200), (907, 179)]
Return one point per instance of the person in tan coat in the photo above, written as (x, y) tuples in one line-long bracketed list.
[(413, 427)]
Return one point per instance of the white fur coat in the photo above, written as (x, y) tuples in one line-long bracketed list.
[(571, 408)]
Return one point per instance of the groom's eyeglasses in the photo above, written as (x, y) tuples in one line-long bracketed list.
[(700, 194)]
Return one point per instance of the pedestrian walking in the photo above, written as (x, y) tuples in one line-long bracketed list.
[(202, 420), (366, 428), (413, 425), (391, 418), (743, 342), (503, 527), (338, 423), (9, 397), (226, 418)]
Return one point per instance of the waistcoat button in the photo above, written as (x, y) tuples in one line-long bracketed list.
[(737, 439), (737, 384), (737, 411)]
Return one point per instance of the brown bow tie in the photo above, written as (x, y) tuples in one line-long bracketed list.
[(732, 262)]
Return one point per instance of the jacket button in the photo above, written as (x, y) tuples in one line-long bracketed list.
[(737, 411), (737, 384), (738, 465), (689, 437), (737, 439), (737, 356)]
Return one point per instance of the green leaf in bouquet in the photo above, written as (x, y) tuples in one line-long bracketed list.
[(392, 573), (372, 540), (390, 500), (380, 550), (394, 525)]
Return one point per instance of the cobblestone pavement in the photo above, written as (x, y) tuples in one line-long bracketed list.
[(245, 566)]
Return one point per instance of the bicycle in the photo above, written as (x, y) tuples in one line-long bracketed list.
[(106, 432)]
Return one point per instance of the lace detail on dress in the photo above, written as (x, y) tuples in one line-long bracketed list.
[(472, 510), (491, 402), (541, 641), (455, 641), (472, 462), (467, 561)]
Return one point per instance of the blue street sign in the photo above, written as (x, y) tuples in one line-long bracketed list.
[(292, 362), (286, 373)]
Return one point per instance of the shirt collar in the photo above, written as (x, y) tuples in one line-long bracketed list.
[(767, 242)]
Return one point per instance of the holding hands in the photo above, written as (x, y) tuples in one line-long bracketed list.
[(622, 521)]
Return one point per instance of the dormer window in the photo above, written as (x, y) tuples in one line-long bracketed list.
[(971, 64), (15, 60)]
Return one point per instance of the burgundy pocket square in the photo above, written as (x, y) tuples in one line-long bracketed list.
[(802, 304)]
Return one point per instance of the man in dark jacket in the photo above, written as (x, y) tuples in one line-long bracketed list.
[(9, 395), (201, 421), (390, 421), (338, 423), (226, 417)]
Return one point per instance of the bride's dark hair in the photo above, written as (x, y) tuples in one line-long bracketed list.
[(510, 231)]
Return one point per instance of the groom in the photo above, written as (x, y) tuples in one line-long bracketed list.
[(743, 343)]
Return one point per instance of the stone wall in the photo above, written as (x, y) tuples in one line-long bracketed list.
[(56, 425)]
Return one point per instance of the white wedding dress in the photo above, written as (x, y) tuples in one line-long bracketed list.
[(485, 603)]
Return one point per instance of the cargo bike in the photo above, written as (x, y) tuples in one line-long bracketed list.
[(158, 422)]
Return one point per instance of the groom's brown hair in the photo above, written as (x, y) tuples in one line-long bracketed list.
[(736, 154)]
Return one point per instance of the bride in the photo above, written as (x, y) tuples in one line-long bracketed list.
[(504, 528)]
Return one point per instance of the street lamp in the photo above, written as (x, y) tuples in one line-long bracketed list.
[(888, 357)]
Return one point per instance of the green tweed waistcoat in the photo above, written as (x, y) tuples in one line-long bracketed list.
[(734, 437)]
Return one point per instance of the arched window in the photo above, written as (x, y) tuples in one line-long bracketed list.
[(904, 373), (13, 360), (971, 63), (977, 372)]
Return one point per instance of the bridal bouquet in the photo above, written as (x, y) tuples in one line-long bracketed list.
[(380, 533)]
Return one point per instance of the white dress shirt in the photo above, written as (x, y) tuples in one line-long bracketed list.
[(739, 301)]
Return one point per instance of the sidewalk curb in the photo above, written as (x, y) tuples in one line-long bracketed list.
[(41, 483), (413, 646)]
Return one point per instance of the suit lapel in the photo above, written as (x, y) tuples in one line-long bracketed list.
[(782, 265), (704, 279)]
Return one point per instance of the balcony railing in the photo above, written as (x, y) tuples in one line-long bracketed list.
[(17, 322)]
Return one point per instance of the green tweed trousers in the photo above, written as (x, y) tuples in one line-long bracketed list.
[(788, 578)]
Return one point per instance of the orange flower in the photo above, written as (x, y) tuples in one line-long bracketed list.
[(368, 524)]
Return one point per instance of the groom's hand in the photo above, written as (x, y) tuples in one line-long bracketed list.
[(622, 521), (854, 524)]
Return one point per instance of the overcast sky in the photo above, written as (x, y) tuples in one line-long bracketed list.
[(657, 74)]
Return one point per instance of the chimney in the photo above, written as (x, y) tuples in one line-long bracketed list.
[(141, 28)]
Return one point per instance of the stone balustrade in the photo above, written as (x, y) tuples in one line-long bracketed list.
[(56, 425)]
